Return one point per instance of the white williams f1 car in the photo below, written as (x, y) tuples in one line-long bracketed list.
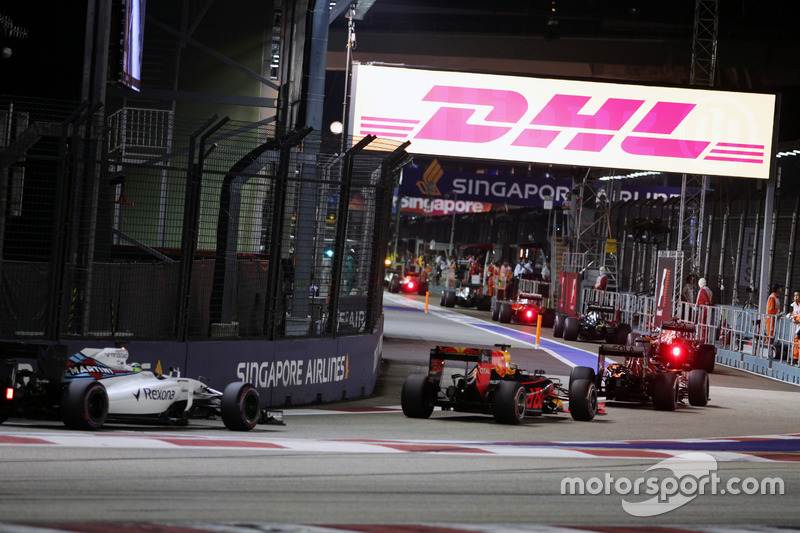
[(99, 385)]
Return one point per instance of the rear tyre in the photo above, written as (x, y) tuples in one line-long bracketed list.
[(572, 327), (496, 311), (509, 402), (240, 406), (705, 358), (582, 399), (484, 303), (394, 285), (505, 313), (5, 412), (558, 325), (622, 334), (698, 387), (665, 392), (450, 299), (84, 405), (581, 372), (422, 288), (415, 397)]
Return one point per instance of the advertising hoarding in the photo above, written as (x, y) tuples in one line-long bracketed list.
[(582, 123)]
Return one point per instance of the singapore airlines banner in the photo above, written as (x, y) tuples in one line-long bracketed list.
[(596, 124)]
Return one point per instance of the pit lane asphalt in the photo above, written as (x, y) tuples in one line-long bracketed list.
[(325, 466)]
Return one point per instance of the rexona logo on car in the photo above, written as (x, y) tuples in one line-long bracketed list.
[(571, 122), (154, 394)]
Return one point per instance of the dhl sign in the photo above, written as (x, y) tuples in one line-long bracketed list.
[(460, 114)]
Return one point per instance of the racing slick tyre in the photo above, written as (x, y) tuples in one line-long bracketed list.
[(450, 299), (422, 288), (504, 317), (548, 318), (484, 303), (84, 405), (441, 298), (5, 412), (558, 325), (496, 311), (394, 285), (705, 357), (665, 391), (581, 372), (572, 327), (509, 401), (621, 334), (240, 407), (697, 387), (415, 397), (582, 399)]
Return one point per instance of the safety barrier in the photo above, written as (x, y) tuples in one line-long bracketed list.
[(744, 331)]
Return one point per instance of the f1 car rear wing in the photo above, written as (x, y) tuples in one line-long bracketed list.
[(616, 349), (601, 309), (621, 349), (451, 353), (678, 325)]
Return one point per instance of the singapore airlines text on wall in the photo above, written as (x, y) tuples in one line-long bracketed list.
[(294, 372), (568, 122)]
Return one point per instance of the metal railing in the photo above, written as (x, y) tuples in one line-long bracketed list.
[(737, 329)]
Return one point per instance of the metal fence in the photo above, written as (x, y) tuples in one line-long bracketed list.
[(144, 225), (738, 329)]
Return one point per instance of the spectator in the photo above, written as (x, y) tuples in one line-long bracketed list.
[(601, 283), (773, 307), (519, 269), (687, 292), (705, 298), (795, 314), (545, 271), (502, 280)]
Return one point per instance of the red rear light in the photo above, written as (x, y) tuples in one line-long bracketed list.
[(529, 314), (9, 393), (676, 351), (410, 284)]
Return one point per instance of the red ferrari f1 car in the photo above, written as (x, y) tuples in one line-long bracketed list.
[(649, 373), (486, 381)]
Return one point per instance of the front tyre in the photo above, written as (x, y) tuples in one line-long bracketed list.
[(509, 402), (84, 405), (581, 372), (665, 392), (582, 400), (697, 387), (415, 396), (240, 406)]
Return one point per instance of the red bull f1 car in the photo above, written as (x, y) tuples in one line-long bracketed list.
[(97, 385), (477, 380), (666, 378)]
